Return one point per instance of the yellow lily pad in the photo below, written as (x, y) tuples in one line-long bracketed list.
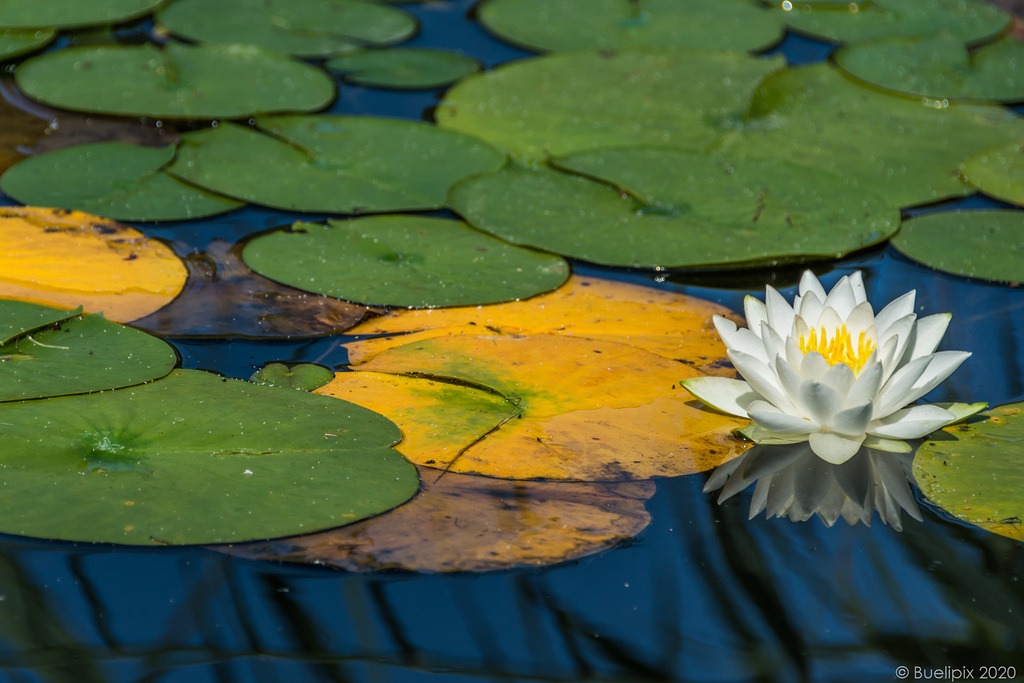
[(574, 409), (665, 323), (467, 523), (69, 259)]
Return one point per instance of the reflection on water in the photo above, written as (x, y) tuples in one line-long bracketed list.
[(792, 481)]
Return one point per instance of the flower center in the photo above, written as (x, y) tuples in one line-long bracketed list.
[(840, 348)]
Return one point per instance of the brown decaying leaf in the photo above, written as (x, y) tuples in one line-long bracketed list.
[(576, 409), (666, 323), (468, 523), (69, 258), (223, 297)]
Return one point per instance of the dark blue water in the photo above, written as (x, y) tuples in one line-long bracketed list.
[(702, 594)]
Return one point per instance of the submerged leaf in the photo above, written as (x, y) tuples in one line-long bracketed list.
[(403, 261), (195, 458), (113, 179), (305, 28), (333, 164), (675, 209), (577, 409), (666, 323), (80, 355), (544, 25), (225, 298), (974, 471), (571, 102), (986, 244), (67, 258), (177, 81), (465, 523)]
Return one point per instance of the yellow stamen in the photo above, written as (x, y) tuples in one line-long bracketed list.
[(840, 348)]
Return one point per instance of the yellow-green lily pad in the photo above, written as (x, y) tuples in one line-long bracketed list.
[(78, 355), (118, 180), (563, 103), (985, 244), (403, 68), (176, 81), (939, 66), (548, 25), (998, 172), (333, 164), (16, 42), (195, 458), (667, 208), (31, 14), (403, 261), (304, 28), (301, 376), (970, 21), (975, 471)]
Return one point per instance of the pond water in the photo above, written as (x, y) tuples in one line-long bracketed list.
[(702, 594)]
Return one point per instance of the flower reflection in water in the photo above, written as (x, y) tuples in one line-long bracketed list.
[(791, 480)]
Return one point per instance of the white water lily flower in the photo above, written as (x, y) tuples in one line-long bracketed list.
[(827, 370)]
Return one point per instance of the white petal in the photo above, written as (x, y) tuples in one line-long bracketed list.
[(809, 283), (900, 331), (814, 366), (840, 378), (860, 292), (772, 342), (779, 312), (894, 392), (862, 319), (868, 382), (762, 379), (794, 356), (841, 299), (835, 448), (831, 319), (775, 421), (788, 377), (754, 311), (911, 423), (740, 339), (852, 421), (723, 394), (810, 309), (941, 366), (818, 401), (888, 445), (897, 308), (927, 334)]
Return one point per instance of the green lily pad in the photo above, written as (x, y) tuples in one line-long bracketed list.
[(998, 172), (63, 14), (547, 25), (571, 102), (975, 471), (403, 261), (939, 66), (906, 150), (178, 81), (970, 21), (333, 164), (986, 244), (195, 458), (305, 28), (667, 208), (14, 42), (82, 355), (407, 68), (301, 376), (20, 317), (113, 179)]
